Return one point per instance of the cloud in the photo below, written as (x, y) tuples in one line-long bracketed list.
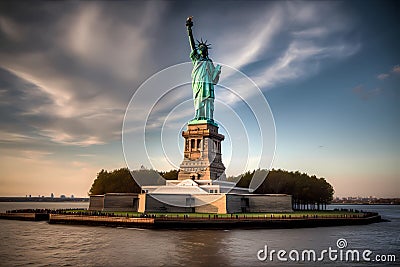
[(382, 76), (98, 38), (11, 29), (238, 51), (366, 94), (31, 110), (71, 85), (396, 69), (292, 42), (300, 60), (284, 43), (315, 32), (36, 155), (68, 75)]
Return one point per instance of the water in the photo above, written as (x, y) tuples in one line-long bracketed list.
[(40, 244)]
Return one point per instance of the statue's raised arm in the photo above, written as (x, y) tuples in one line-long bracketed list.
[(204, 76), (189, 25)]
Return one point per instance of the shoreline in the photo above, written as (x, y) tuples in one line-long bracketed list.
[(186, 222), (216, 224)]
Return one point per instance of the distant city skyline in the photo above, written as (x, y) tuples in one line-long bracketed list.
[(329, 70)]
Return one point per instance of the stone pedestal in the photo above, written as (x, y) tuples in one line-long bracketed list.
[(202, 154)]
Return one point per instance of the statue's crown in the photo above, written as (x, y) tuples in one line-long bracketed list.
[(203, 43)]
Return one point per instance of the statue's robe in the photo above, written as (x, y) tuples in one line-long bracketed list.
[(204, 76)]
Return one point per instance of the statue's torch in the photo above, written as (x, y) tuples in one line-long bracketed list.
[(189, 22)]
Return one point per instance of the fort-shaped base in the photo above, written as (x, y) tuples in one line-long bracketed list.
[(202, 155)]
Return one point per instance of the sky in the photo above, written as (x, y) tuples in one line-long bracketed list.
[(329, 71)]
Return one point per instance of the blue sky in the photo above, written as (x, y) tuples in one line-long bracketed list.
[(329, 71)]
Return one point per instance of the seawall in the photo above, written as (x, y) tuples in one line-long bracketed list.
[(202, 223), (193, 223), (25, 216)]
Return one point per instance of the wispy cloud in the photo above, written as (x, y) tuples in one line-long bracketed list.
[(249, 46), (395, 70), (366, 94), (286, 42), (382, 76), (75, 80), (85, 68), (10, 28)]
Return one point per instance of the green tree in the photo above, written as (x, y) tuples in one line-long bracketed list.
[(308, 192), (117, 181), (170, 175)]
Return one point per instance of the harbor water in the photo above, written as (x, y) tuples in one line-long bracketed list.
[(24, 243)]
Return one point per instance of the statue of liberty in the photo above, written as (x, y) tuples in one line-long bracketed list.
[(204, 76)]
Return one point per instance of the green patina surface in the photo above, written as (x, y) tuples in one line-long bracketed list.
[(195, 121), (204, 76)]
